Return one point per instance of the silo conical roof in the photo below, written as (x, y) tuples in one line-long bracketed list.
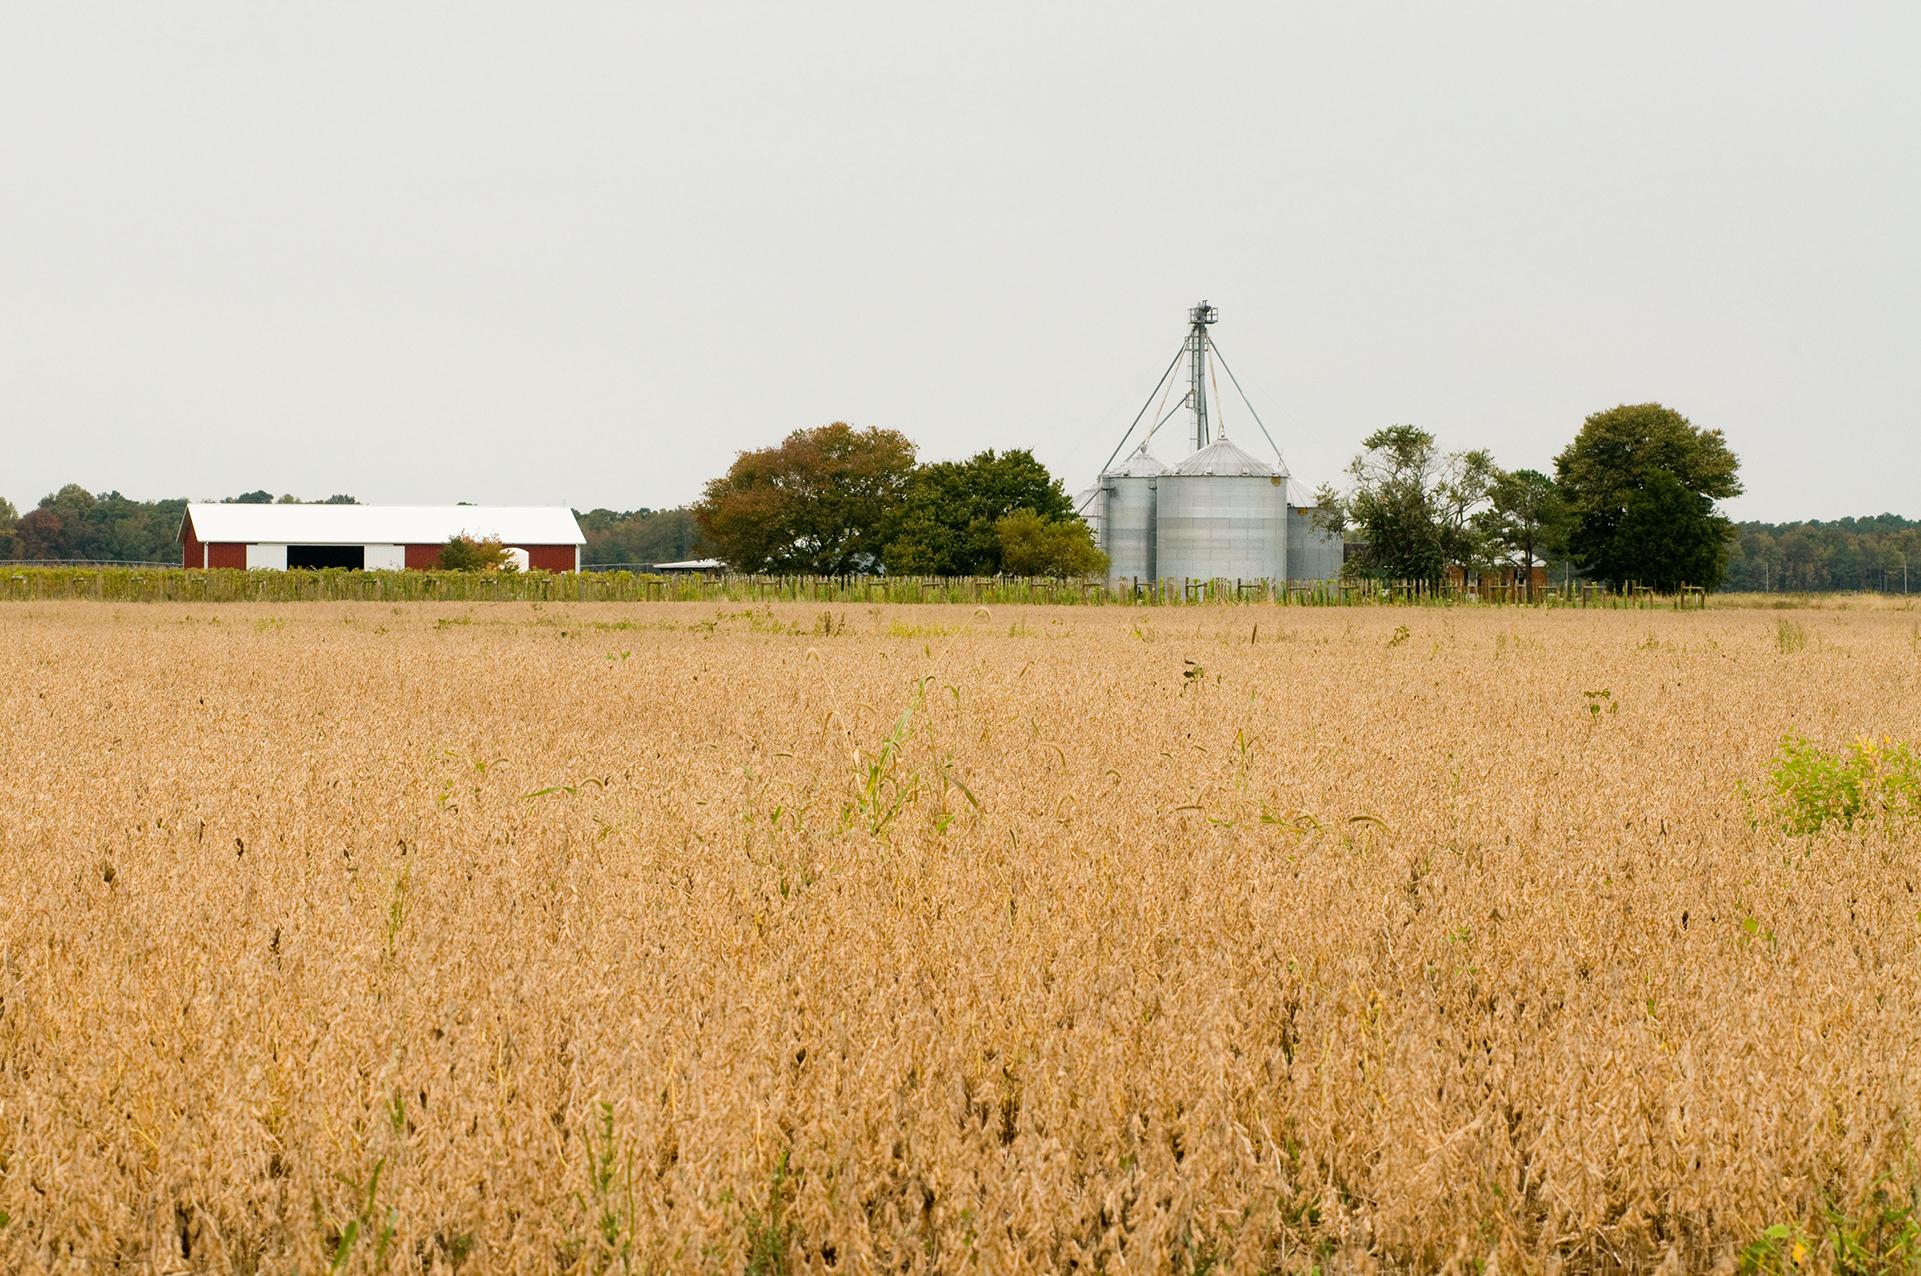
[(1222, 457), (1141, 464)]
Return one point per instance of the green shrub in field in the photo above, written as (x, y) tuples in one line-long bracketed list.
[(1882, 1235), (466, 553), (1863, 781)]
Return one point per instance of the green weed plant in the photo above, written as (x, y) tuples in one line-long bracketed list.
[(1867, 780)]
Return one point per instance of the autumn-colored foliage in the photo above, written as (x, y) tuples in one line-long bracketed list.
[(822, 501), (466, 553)]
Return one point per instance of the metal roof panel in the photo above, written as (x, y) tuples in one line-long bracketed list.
[(1140, 464), (383, 524), (1223, 458)]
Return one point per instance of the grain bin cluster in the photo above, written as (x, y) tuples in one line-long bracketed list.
[(1220, 514)]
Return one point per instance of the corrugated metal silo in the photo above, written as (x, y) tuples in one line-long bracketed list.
[(1221, 514), (1311, 553), (1127, 523)]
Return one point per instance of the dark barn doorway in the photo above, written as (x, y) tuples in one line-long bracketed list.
[(354, 556)]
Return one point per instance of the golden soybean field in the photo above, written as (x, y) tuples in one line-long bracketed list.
[(696, 938)]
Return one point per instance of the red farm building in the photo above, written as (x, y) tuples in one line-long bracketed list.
[(373, 537)]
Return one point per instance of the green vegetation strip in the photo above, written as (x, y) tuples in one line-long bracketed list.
[(160, 584)]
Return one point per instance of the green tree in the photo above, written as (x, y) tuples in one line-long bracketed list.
[(1414, 508), (9, 519), (61, 527), (259, 496), (950, 520), (1882, 551), (1033, 545), (73, 503), (1672, 533), (1628, 466), (1462, 495), (73, 523), (641, 536), (1527, 518), (824, 501), (466, 553)]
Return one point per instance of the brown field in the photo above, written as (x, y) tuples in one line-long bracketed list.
[(522, 938)]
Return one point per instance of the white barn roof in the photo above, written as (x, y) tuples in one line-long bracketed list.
[(383, 524)]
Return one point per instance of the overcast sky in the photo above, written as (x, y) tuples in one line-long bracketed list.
[(585, 253)]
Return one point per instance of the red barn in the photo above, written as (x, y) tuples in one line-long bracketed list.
[(373, 537)]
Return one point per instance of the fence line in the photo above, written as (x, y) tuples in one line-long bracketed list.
[(173, 584)]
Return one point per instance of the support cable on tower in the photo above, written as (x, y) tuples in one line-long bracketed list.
[(1171, 364), (1128, 433), (1250, 405)]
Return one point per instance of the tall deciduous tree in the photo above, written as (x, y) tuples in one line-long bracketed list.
[(1462, 496), (9, 518), (1526, 517), (949, 525), (1641, 484), (824, 501), (1673, 534), (42, 533), (1414, 508)]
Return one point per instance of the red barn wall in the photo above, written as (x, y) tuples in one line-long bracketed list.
[(227, 554), (549, 558), (191, 552), (552, 558)]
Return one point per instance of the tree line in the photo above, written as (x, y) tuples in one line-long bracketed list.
[(1632, 501), (827, 501), (1878, 553), (74, 524), (836, 501), (641, 537)]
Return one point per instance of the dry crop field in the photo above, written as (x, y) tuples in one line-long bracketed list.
[(695, 938)]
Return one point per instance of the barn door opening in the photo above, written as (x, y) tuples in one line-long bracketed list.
[(354, 556)]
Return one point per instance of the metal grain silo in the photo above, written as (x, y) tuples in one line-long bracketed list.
[(1221, 514), (1127, 520), (1313, 554)]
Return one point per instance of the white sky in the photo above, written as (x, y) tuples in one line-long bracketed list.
[(584, 253)]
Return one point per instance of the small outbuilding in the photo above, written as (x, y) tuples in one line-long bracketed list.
[(373, 537), (1508, 574)]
